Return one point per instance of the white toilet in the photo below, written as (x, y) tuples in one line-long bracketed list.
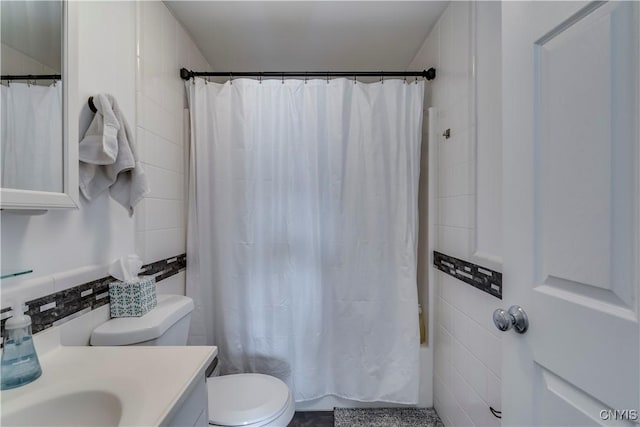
[(253, 400)]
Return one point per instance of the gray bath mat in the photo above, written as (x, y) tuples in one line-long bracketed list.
[(386, 417)]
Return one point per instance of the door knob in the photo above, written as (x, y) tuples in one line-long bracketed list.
[(514, 318)]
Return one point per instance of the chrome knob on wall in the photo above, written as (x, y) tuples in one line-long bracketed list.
[(514, 318)]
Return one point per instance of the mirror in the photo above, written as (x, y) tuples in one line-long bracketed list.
[(37, 162)]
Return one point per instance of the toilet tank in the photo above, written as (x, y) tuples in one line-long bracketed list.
[(167, 324)]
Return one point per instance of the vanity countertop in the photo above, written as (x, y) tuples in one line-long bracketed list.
[(147, 384)]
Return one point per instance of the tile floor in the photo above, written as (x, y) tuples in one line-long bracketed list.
[(312, 419)]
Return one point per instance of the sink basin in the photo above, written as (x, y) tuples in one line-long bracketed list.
[(105, 386), (82, 408)]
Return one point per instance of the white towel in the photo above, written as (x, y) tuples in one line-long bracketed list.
[(100, 143), (108, 158)]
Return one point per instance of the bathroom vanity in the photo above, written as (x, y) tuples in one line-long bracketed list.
[(111, 386)]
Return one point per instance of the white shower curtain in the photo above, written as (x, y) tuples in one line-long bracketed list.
[(31, 137), (303, 232)]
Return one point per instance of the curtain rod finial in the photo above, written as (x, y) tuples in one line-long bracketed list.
[(185, 74), (430, 74)]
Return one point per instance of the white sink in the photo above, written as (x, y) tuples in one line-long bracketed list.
[(105, 386), (83, 408)]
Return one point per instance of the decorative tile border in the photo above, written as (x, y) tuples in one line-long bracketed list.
[(50, 310), (165, 268), (479, 277)]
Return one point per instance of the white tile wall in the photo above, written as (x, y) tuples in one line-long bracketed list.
[(64, 241), (144, 41), (163, 46), (467, 346), (489, 134), (426, 290)]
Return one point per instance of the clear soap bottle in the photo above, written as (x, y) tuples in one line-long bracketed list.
[(20, 363)]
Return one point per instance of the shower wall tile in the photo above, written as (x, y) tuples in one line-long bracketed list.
[(163, 243), (100, 230), (163, 47), (473, 303), (456, 149), (69, 279), (173, 285), (467, 357), (456, 115), (488, 173), (164, 154), (494, 393), (79, 291), (454, 241), (456, 180), (168, 184), (163, 214), (455, 211)]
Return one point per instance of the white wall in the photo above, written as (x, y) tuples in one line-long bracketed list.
[(426, 294), (138, 63), (101, 230), (467, 345), (163, 48), (488, 248)]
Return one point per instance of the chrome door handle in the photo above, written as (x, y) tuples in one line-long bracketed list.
[(514, 318)]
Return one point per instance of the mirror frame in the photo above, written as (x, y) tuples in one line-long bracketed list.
[(69, 198)]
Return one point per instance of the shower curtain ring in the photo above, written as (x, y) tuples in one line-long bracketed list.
[(355, 79), (230, 78), (381, 78), (282, 78), (416, 79), (327, 78), (260, 78), (305, 78)]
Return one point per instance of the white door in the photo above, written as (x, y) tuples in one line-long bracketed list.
[(571, 199)]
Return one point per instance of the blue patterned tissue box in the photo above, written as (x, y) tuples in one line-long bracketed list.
[(132, 299)]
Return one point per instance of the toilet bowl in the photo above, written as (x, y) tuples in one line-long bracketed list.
[(254, 400), (249, 400)]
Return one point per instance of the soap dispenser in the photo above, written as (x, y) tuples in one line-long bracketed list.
[(20, 363)]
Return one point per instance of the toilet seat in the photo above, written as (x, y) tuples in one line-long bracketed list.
[(249, 400)]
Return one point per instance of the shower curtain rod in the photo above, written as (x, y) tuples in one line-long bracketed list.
[(32, 77), (429, 74)]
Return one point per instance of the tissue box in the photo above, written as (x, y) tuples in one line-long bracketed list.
[(134, 298)]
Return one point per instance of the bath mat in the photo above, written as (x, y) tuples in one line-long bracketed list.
[(386, 417)]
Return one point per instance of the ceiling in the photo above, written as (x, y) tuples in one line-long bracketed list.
[(308, 35)]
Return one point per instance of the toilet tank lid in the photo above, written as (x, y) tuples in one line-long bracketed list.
[(133, 330)]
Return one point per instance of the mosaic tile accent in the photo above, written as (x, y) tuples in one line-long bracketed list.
[(385, 417), (486, 280), (165, 268), (54, 309)]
